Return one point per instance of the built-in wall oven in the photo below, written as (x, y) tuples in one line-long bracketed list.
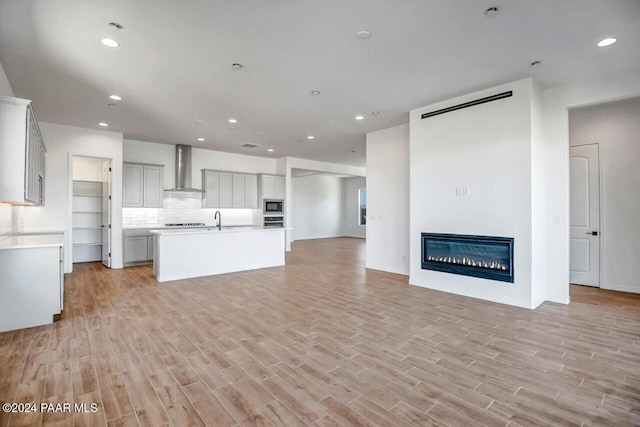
[(273, 206), (274, 221)]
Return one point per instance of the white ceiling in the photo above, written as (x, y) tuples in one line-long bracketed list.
[(174, 63)]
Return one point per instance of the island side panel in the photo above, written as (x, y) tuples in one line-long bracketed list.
[(183, 256)]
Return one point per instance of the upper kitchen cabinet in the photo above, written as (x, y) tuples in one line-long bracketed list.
[(22, 154), (142, 185), (271, 187), (229, 190)]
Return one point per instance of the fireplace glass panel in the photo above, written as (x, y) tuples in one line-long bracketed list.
[(488, 257)]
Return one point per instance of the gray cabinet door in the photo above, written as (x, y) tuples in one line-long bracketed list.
[(238, 190), (226, 190), (211, 186), (152, 186), (132, 185), (251, 191), (278, 188), (150, 247), (267, 186), (136, 249)]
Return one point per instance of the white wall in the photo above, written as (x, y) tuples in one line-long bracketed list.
[(615, 127), (555, 122), (350, 226), (62, 142), (87, 168), (5, 209), (487, 148), (5, 86), (388, 200), (317, 207)]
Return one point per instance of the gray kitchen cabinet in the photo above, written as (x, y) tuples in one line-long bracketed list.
[(211, 187), (152, 188), (137, 246), (226, 190), (150, 247), (272, 187), (142, 185), (238, 190), (278, 188), (135, 249), (229, 190), (268, 186), (251, 191), (22, 154)]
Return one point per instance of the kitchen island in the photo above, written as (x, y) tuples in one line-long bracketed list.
[(196, 252)]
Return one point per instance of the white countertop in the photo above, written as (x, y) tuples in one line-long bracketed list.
[(164, 227), (32, 241), (214, 229)]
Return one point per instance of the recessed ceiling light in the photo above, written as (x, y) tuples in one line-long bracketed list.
[(359, 117), (115, 97), (491, 12), (110, 43), (201, 139), (607, 42), (232, 121), (311, 137), (111, 104), (270, 150), (115, 24), (375, 113), (103, 124), (315, 92), (536, 63), (236, 66), (363, 35)]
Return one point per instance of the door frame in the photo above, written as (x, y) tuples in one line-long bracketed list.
[(68, 235), (601, 229)]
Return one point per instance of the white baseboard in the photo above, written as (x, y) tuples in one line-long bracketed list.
[(621, 288), (388, 269)]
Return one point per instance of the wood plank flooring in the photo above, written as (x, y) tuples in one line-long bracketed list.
[(321, 342)]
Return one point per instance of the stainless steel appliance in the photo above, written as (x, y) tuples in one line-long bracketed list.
[(273, 206), (274, 221)]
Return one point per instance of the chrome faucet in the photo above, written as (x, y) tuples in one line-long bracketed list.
[(218, 217)]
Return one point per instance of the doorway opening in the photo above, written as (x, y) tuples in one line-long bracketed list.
[(91, 210), (604, 197)]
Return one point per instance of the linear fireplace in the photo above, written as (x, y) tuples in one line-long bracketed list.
[(487, 257)]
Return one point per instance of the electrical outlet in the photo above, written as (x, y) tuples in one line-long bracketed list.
[(465, 191)]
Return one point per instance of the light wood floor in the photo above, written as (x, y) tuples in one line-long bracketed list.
[(321, 342)]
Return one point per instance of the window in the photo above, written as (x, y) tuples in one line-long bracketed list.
[(362, 206)]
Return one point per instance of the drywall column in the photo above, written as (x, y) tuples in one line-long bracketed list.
[(488, 150), (388, 200)]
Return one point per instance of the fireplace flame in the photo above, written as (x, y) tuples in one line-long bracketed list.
[(493, 265)]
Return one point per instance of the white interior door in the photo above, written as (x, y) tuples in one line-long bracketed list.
[(585, 215), (106, 213)]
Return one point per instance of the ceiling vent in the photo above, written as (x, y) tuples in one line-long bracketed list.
[(250, 145), (469, 104)]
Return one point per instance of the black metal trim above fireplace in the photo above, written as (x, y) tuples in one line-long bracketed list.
[(445, 252)]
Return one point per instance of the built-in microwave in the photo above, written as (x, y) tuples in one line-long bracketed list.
[(273, 207)]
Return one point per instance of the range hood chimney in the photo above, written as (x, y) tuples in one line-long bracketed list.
[(183, 170)]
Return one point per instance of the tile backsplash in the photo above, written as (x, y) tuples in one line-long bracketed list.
[(181, 207)]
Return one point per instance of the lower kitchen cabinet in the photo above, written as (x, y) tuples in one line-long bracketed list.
[(32, 285), (137, 247)]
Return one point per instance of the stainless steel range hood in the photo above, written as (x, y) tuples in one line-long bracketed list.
[(183, 170)]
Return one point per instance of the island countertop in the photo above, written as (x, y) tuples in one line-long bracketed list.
[(214, 229)]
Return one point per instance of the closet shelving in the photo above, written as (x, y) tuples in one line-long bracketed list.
[(87, 219)]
